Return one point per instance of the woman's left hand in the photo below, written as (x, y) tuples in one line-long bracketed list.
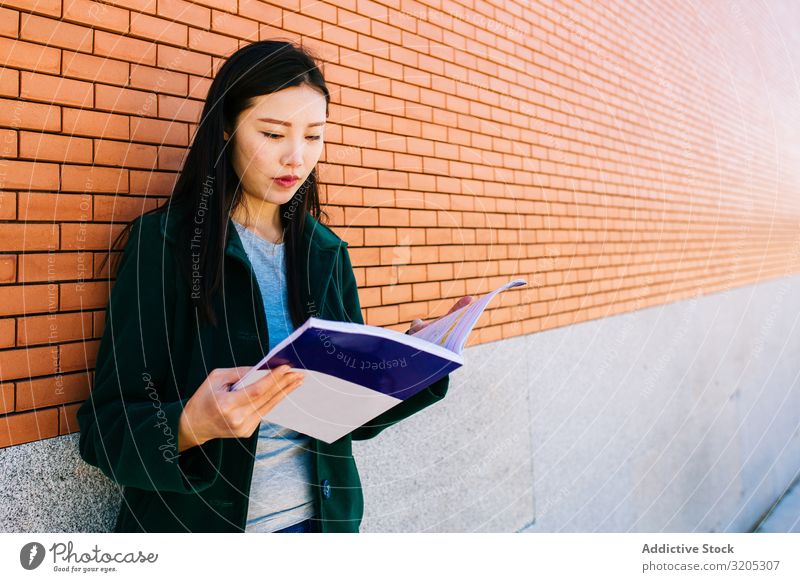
[(418, 324)]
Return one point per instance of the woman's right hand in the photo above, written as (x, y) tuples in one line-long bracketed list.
[(214, 412)]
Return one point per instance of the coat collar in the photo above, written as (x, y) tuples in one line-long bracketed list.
[(315, 233), (319, 258)]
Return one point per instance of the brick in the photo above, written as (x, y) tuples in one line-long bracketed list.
[(30, 56), (8, 144), (235, 26), (93, 179), (95, 124), (380, 236), (180, 11), (345, 195), (68, 419), (92, 68), (7, 398), (121, 100), (124, 48), (340, 75), (54, 206), (356, 98), (377, 158), (303, 25), (88, 295), (96, 15), (124, 153), (381, 316), (54, 147), (120, 208), (53, 328), (210, 42), (340, 154), (78, 356), (51, 267), (27, 362), (24, 299), (9, 83), (137, 5), (356, 176), (152, 183), (16, 429), (359, 137), (159, 131), (159, 80), (28, 175), (186, 61), (7, 327), (26, 115), (357, 22), (53, 32), (179, 109), (198, 87), (47, 7), (340, 37), (170, 158), (261, 12), (396, 294), (426, 291), (159, 29), (58, 90), (319, 10), (9, 22), (8, 269), (88, 236)]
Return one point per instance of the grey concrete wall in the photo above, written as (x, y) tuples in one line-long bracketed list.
[(682, 417), (678, 418)]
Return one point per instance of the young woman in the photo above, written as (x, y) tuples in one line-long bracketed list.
[(208, 283)]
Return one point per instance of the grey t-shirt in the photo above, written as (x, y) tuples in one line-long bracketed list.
[(281, 492)]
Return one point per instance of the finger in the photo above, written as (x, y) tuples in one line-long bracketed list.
[(223, 378), (416, 325), (256, 389), (462, 302), (279, 395)]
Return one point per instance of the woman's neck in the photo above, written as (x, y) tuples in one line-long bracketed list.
[(264, 218)]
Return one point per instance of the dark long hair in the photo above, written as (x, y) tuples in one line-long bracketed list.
[(208, 186)]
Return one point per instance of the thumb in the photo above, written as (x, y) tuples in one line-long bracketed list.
[(229, 376), (463, 301)]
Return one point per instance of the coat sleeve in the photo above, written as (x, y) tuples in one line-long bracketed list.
[(422, 399), (129, 423)]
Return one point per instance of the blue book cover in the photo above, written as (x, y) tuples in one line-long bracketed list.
[(355, 372)]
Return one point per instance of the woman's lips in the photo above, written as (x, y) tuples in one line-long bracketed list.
[(286, 183)]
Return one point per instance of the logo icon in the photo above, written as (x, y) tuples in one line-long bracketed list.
[(31, 555)]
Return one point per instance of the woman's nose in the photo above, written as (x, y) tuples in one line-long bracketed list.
[(294, 157)]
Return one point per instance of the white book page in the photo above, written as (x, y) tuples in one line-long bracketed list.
[(451, 331)]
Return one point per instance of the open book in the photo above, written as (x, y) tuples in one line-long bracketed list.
[(355, 372)]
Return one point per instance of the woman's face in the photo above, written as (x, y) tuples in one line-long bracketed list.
[(281, 134)]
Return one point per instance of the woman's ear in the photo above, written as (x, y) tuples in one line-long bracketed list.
[(225, 135)]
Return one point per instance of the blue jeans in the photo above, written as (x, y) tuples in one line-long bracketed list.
[(307, 526)]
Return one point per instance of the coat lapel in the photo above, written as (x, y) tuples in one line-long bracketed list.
[(318, 257)]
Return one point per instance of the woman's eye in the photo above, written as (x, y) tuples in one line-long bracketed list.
[(276, 135)]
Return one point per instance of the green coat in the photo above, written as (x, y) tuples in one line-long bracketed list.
[(152, 358)]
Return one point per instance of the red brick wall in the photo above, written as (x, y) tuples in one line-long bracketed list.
[(615, 156)]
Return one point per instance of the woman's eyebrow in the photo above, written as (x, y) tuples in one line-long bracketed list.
[(270, 120)]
